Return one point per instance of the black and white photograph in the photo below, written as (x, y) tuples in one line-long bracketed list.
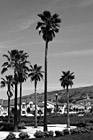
[(46, 69)]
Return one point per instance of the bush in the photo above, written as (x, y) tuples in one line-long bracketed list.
[(66, 131), (87, 130), (74, 131), (24, 135), (21, 125), (59, 133), (51, 133), (11, 136), (83, 130), (39, 134), (48, 133), (5, 126), (82, 123)]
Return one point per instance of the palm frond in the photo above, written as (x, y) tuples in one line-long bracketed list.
[(35, 73), (2, 84), (39, 25), (3, 70), (8, 58), (5, 64)]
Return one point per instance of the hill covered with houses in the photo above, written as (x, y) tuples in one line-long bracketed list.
[(79, 98), (76, 95)]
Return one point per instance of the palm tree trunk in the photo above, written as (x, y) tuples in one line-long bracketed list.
[(45, 89), (35, 105), (8, 92), (8, 109), (68, 119), (15, 111), (20, 102)]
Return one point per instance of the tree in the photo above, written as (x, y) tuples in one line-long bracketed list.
[(22, 75), (35, 75), (48, 26), (8, 81), (13, 61), (66, 81)]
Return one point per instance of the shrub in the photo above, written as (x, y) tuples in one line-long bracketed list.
[(51, 133), (82, 123), (83, 130), (74, 131), (11, 136), (24, 135), (48, 133), (66, 131), (5, 126), (80, 130), (59, 133), (87, 130), (91, 127), (39, 134), (21, 125)]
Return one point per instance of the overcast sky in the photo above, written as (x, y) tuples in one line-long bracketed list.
[(71, 49)]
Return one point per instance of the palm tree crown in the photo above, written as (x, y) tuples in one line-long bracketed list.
[(22, 67), (67, 79), (8, 81), (36, 73), (49, 25), (15, 60)]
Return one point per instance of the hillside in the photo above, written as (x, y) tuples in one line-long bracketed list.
[(75, 95)]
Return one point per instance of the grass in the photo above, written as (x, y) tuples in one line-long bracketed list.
[(59, 119)]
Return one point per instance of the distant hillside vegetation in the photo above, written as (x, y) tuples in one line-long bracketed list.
[(76, 94)]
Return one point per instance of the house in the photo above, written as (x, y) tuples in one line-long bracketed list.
[(1, 108), (77, 108), (25, 106), (51, 106)]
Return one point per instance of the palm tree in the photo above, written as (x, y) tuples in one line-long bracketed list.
[(35, 75), (22, 76), (13, 62), (8, 81), (66, 81), (48, 26)]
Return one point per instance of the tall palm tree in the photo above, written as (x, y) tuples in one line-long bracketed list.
[(66, 81), (48, 26), (22, 75), (13, 61), (35, 75), (8, 81)]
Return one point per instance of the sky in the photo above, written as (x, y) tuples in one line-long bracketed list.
[(71, 49)]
